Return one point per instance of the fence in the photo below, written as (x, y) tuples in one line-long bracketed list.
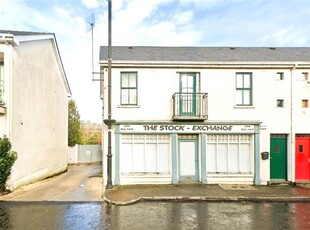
[(84, 154)]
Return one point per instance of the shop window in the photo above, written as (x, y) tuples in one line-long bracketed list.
[(229, 154), (145, 154)]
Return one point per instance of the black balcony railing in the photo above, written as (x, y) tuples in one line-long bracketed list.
[(190, 106)]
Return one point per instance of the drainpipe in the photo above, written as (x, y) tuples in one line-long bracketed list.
[(292, 137)]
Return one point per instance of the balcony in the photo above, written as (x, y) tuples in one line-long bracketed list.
[(190, 106)]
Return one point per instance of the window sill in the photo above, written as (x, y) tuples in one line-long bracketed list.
[(244, 107), (128, 106)]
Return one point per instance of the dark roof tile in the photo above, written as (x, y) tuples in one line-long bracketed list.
[(207, 54)]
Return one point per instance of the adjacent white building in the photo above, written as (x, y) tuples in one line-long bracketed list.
[(33, 104), (208, 114)]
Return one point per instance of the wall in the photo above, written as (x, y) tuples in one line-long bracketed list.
[(89, 153), (39, 113), (73, 154)]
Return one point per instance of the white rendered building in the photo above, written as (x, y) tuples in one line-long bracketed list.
[(212, 115), (33, 104)]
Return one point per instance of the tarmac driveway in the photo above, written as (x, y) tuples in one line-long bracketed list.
[(80, 183)]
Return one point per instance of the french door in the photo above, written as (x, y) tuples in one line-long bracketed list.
[(188, 92)]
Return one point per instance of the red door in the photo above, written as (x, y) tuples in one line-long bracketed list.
[(302, 159)]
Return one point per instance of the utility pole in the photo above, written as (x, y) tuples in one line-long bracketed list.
[(109, 122)]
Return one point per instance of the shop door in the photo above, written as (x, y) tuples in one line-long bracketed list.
[(188, 94), (302, 159), (278, 157), (188, 161)]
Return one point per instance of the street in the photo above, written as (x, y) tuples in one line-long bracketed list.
[(154, 215)]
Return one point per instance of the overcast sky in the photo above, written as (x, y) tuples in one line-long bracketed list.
[(256, 23)]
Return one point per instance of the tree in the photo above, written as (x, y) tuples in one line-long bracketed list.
[(7, 159), (94, 139), (74, 124)]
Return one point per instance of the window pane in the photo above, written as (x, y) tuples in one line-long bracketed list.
[(124, 97), (222, 159), (233, 163), (245, 159), (132, 96), (150, 157), (280, 103), (187, 84), (246, 97), (247, 81), (138, 158), (163, 158), (124, 80), (126, 158), (211, 158), (280, 76), (239, 97), (132, 80), (239, 81), (304, 104)]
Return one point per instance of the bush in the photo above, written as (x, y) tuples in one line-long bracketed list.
[(7, 159)]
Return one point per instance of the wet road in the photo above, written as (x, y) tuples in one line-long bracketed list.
[(154, 215)]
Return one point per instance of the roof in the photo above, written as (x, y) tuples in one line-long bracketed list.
[(22, 33), (206, 54), (23, 36)]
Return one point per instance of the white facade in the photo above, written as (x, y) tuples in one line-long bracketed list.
[(35, 108), (151, 145)]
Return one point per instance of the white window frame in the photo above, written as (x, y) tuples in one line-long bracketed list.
[(218, 140), (142, 140)]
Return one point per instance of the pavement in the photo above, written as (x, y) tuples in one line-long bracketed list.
[(83, 183), (130, 194)]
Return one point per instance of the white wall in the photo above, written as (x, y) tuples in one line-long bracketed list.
[(73, 155), (39, 113), (156, 87)]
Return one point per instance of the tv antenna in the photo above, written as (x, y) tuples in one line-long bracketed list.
[(90, 24)]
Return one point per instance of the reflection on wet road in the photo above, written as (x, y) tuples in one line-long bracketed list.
[(154, 215)]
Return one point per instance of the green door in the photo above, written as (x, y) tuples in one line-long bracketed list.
[(278, 157), (188, 94)]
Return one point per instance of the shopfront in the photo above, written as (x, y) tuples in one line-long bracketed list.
[(175, 153)]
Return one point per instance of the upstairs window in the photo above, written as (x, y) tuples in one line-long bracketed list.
[(305, 76), (129, 88), (244, 89), (305, 103), (280, 103), (280, 76)]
